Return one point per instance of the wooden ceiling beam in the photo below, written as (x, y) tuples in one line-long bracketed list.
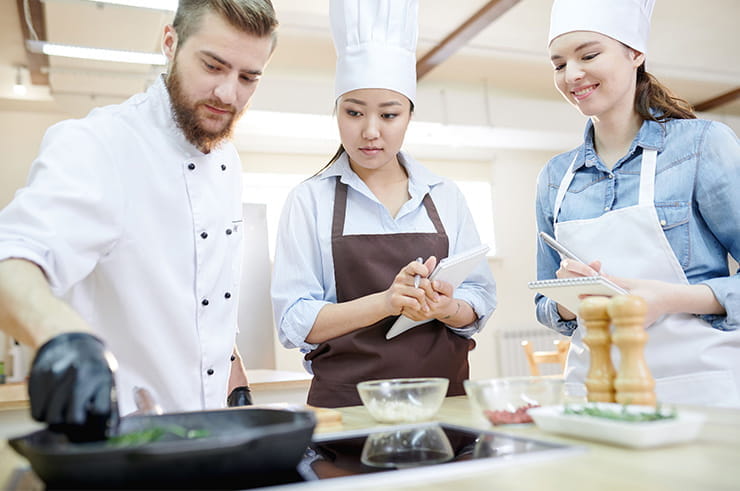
[(460, 36), (38, 63), (720, 100)]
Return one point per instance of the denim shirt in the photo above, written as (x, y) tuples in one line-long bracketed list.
[(696, 197)]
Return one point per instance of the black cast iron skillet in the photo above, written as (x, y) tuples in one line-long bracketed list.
[(243, 447)]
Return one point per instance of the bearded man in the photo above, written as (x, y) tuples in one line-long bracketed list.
[(125, 246)]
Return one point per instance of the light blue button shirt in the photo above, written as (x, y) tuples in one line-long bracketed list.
[(696, 197), (303, 273)]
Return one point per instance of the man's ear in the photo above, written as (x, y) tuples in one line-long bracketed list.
[(169, 42)]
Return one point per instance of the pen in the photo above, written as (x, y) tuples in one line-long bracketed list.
[(417, 277), (559, 247)]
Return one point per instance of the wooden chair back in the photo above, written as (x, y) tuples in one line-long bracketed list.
[(536, 358)]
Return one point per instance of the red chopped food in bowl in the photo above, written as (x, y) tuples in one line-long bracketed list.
[(503, 417)]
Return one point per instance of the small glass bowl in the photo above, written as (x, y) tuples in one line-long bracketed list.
[(507, 400), (403, 400)]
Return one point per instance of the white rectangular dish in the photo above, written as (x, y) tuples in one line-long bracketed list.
[(683, 428)]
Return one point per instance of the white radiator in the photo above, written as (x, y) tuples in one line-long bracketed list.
[(512, 360)]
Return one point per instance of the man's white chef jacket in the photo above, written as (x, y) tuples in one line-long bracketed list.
[(141, 233)]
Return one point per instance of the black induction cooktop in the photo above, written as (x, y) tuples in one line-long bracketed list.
[(418, 448)]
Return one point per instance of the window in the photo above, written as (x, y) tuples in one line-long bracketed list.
[(480, 201), (272, 189)]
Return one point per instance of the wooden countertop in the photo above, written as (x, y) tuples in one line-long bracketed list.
[(277, 379), (13, 395), (710, 462)]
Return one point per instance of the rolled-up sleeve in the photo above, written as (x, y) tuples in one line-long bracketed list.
[(298, 292), (718, 201), (68, 215)]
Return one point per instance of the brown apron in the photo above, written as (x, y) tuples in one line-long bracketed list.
[(367, 264)]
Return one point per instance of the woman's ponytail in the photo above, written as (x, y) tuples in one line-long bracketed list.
[(654, 101)]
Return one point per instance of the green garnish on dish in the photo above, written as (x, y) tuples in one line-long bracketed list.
[(622, 414), (154, 434)]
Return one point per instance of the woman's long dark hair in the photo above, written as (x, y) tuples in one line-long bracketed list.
[(654, 101), (334, 158)]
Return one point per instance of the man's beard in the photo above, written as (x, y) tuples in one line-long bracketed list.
[(187, 119)]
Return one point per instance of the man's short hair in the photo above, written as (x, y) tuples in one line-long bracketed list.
[(255, 17)]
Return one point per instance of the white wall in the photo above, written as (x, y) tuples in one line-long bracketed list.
[(21, 136)]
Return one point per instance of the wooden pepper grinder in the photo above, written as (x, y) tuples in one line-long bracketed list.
[(601, 373), (634, 383)]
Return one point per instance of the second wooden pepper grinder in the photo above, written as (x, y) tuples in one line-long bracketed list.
[(634, 383)]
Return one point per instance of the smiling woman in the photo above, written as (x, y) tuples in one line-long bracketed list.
[(649, 182)]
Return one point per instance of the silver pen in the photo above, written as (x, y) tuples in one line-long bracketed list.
[(564, 252), (417, 277)]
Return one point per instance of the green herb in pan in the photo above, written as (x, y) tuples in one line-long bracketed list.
[(621, 415), (154, 434)]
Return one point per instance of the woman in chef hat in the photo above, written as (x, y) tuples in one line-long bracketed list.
[(349, 236), (650, 198)]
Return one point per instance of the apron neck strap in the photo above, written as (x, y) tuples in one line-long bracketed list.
[(567, 178), (647, 181), (340, 206), (647, 176)]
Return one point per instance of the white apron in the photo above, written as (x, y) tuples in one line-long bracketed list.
[(692, 363)]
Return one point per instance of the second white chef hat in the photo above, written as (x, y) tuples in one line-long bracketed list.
[(627, 21), (375, 42)]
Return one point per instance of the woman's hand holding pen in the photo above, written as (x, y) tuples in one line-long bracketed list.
[(434, 299), (403, 297), (412, 294), (571, 269)]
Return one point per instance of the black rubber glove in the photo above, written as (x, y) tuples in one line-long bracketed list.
[(240, 396), (72, 389)]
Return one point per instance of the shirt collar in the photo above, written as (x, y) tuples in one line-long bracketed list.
[(421, 180), (651, 135)]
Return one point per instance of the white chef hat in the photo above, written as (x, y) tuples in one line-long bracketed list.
[(375, 42), (627, 21)]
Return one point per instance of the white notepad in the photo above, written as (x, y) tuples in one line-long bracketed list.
[(566, 291), (452, 269)]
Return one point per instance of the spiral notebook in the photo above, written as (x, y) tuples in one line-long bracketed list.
[(452, 269), (566, 291)]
